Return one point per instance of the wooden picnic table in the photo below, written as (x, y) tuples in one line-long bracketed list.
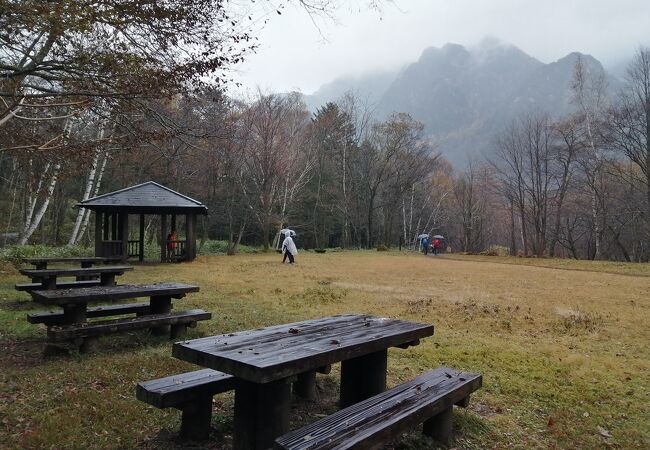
[(267, 360), (75, 301), (72, 322), (47, 277), (85, 261)]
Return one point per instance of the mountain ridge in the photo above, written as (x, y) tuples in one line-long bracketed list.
[(466, 95)]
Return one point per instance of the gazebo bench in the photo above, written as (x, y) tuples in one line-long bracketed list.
[(191, 393), (50, 318), (179, 321), (59, 285), (370, 424)]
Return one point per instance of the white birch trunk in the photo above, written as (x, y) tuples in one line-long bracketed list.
[(89, 186), (33, 197), (41, 212), (404, 220), (98, 183)]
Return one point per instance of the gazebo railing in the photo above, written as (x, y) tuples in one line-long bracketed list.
[(175, 252), (134, 248), (111, 248)]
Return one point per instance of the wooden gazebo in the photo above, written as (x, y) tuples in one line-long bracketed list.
[(112, 213)]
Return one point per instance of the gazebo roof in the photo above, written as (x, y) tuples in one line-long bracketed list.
[(145, 198)]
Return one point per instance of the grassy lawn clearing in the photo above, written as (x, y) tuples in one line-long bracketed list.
[(563, 347)]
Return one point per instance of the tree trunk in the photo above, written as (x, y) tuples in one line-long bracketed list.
[(513, 237), (98, 183), (39, 215), (86, 195)]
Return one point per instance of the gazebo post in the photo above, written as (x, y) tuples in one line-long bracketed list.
[(141, 243), (190, 237), (163, 237), (105, 229), (114, 226), (98, 233), (123, 235)]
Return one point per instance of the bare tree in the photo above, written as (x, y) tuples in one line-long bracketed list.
[(629, 123)]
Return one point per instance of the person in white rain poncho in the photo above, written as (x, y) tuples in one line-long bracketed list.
[(289, 249)]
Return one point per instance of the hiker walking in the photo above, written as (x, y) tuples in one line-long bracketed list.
[(436, 246), (289, 249)]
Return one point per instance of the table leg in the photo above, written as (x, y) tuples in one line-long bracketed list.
[(305, 385), (261, 414), (74, 313), (85, 265), (48, 283), (363, 377), (160, 305), (107, 279), (197, 415), (440, 427)]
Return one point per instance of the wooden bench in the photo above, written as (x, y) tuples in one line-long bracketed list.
[(71, 323), (29, 287), (50, 318), (191, 393), (85, 261), (48, 277), (178, 321), (370, 424)]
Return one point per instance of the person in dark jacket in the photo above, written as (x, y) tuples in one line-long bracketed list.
[(425, 246)]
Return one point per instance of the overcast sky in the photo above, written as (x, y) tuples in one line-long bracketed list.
[(295, 55)]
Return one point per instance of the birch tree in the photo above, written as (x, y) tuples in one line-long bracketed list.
[(589, 95), (629, 125)]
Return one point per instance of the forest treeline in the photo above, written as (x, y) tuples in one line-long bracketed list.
[(90, 107)]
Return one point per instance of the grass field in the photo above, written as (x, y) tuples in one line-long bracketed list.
[(564, 348)]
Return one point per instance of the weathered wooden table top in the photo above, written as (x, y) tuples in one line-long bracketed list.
[(112, 293), (76, 271), (277, 352), (76, 259)]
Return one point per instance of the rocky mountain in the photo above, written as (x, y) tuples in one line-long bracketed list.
[(465, 96), (368, 88)]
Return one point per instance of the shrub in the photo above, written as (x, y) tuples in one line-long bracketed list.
[(382, 248), (15, 253), (213, 247), (496, 250), (320, 250)]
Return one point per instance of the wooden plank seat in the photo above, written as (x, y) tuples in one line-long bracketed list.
[(29, 287), (179, 321), (48, 277), (191, 393), (113, 293), (370, 424), (84, 261), (51, 318)]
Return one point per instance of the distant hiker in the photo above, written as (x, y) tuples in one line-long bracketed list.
[(436, 246), (289, 249), (171, 243), (425, 245)]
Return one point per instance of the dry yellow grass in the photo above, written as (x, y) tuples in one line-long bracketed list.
[(563, 349)]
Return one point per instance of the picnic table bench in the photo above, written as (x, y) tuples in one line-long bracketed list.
[(72, 324), (267, 360), (85, 261), (47, 277), (429, 399)]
